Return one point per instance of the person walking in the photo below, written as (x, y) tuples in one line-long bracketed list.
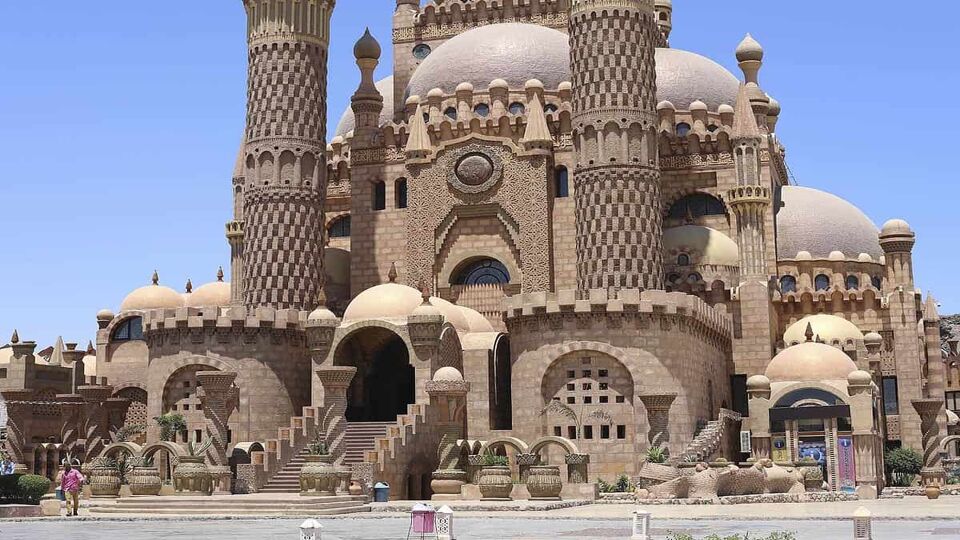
[(70, 485), (7, 466)]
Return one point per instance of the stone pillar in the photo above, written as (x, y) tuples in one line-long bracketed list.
[(658, 416), (96, 431), (868, 483), (474, 464), (524, 462), (19, 411), (833, 458), (793, 444), (235, 237), (215, 396), (577, 468), (930, 411), (448, 414), (335, 380)]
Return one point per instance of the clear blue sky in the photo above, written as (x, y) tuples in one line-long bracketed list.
[(120, 120)]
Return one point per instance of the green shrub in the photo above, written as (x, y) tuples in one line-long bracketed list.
[(493, 460), (31, 488), (170, 424), (772, 536), (8, 487), (903, 464)]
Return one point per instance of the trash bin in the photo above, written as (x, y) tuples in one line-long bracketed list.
[(381, 492)]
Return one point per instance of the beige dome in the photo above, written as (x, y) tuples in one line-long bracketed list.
[(216, 294), (452, 313), (322, 313), (105, 315), (152, 297), (477, 322), (818, 222), (758, 382), (860, 378), (829, 328), (383, 301), (811, 362), (447, 374), (952, 418), (896, 227), (703, 244)]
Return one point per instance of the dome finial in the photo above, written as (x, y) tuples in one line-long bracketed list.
[(15, 338), (809, 333), (750, 57), (155, 278), (189, 286), (220, 273), (425, 292), (322, 298), (91, 350), (367, 47), (392, 274)]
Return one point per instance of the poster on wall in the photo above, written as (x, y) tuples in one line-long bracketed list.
[(814, 449), (848, 469), (779, 451)]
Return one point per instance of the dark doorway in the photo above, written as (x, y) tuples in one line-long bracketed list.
[(384, 384)]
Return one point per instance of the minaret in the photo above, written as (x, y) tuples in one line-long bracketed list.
[(750, 200), (617, 180), (286, 132), (664, 12)]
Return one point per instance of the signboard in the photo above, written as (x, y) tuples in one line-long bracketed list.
[(814, 449), (779, 450), (847, 464), (745, 445)]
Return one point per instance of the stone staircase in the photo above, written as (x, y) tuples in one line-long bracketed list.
[(709, 442), (287, 479), (361, 437)]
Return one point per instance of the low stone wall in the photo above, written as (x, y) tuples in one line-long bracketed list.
[(12, 511), (899, 492), (823, 496), (570, 492)]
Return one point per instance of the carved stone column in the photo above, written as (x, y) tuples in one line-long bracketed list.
[(448, 413), (524, 462), (930, 411), (96, 429), (215, 396), (19, 411), (335, 380), (658, 416), (577, 472)]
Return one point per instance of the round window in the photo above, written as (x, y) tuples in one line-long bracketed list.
[(422, 51)]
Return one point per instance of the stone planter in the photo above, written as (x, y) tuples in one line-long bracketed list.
[(104, 482), (318, 477), (495, 483), (192, 477), (932, 491), (145, 481), (544, 483), (447, 484), (355, 489)]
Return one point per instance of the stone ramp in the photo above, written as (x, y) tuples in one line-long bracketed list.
[(259, 505)]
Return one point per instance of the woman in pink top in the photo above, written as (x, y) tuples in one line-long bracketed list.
[(70, 485)]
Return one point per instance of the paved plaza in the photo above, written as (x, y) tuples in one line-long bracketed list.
[(493, 528)]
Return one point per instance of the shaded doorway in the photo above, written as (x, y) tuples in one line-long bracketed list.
[(384, 384)]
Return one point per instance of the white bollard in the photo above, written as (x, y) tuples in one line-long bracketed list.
[(641, 525), (861, 525), (311, 529), (445, 524)]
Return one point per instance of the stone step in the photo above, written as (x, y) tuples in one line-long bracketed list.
[(213, 510), (236, 500)]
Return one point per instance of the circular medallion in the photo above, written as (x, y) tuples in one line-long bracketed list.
[(474, 169)]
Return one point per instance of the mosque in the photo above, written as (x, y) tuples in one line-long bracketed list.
[(546, 202)]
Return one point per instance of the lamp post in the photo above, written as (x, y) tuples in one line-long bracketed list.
[(445, 524), (311, 529), (861, 524)]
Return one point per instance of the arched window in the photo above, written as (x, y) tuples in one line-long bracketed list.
[(426, 117), (683, 129), (697, 205), (694, 278), (451, 113), (877, 282), (401, 192), (517, 108), (712, 128), (129, 330), (550, 108), (673, 279), (821, 282), (379, 195), (853, 283), (340, 228), (788, 284), (683, 260), (482, 272), (481, 109), (562, 181)]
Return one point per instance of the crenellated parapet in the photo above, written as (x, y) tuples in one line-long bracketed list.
[(237, 326), (446, 19)]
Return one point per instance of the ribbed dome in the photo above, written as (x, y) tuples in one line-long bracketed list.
[(518, 52), (828, 328), (348, 121), (152, 297), (820, 223), (216, 294), (811, 362), (703, 244)]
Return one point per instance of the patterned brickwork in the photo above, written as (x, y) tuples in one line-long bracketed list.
[(287, 91), (284, 248)]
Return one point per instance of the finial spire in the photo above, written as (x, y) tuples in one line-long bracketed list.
[(424, 292), (15, 338), (744, 119), (392, 274), (418, 143), (537, 132), (220, 273), (90, 348), (155, 278), (56, 356), (189, 286), (322, 298), (809, 333)]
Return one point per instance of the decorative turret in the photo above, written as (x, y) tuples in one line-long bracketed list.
[(664, 12), (750, 58), (537, 136), (617, 181), (367, 103), (897, 240), (286, 152)]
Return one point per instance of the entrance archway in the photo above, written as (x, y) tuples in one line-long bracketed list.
[(384, 384)]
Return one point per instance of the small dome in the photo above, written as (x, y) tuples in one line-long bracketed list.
[(435, 93), (451, 313), (749, 50), (152, 297), (812, 362), (427, 310), (952, 418), (321, 314), (216, 294), (896, 227), (774, 108), (477, 322), (383, 301), (565, 86), (837, 256), (498, 83), (819, 222), (698, 106), (829, 328), (533, 84), (703, 244), (864, 257), (860, 378), (872, 338), (758, 382), (348, 121), (804, 256), (447, 374), (666, 106), (725, 109), (105, 315), (464, 87), (367, 47)]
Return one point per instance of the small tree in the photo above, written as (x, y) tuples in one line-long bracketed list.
[(170, 424), (904, 464)]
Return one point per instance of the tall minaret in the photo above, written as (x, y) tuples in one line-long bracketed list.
[(286, 183), (750, 200), (617, 180)]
